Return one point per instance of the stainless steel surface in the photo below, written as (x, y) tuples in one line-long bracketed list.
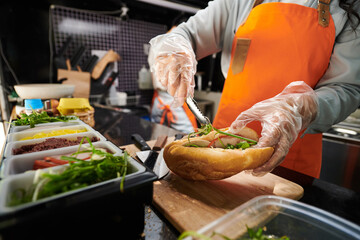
[(344, 131), (196, 111), (341, 155)]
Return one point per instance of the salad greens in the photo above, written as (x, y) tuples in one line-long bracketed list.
[(36, 118), (252, 235), (78, 174), (207, 128)]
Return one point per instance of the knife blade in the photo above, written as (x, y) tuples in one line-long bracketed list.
[(160, 168), (153, 155), (194, 108), (89, 64), (75, 59)]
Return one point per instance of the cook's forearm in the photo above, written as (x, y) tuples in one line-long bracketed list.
[(336, 102)]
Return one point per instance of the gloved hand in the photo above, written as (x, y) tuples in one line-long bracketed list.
[(172, 60), (282, 118)]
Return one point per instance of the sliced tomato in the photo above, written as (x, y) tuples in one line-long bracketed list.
[(40, 164), (56, 161)]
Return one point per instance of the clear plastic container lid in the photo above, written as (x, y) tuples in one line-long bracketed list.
[(281, 217)]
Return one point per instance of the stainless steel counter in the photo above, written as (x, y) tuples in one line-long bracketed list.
[(341, 155)]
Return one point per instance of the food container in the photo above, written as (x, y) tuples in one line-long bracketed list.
[(11, 183), (99, 211), (17, 144), (281, 217), (18, 164), (18, 136), (14, 129)]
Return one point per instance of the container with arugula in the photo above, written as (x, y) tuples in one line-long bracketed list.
[(38, 118), (77, 174)]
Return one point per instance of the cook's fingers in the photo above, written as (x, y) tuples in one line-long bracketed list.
[(278, 156), (270, 136), (181, 94)]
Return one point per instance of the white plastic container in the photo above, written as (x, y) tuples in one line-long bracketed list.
[(41, 126), (17, 136), (18, 164), (282, 217), (24, 181), (17, 144)]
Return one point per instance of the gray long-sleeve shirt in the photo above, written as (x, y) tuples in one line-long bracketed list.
[(212, 30)]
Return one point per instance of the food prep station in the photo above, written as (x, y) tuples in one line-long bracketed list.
[(87, 211), (283, 202), (146, 210)]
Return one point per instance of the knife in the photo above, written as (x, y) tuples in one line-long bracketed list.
[(89, 64), (75, 59), (153, 155), (60, 60), (194, 108)]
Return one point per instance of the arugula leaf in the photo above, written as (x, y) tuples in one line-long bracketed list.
[(78, 174), (37, 118)]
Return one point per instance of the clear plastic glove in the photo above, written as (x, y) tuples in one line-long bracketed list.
[(172, 60), (282, 118)]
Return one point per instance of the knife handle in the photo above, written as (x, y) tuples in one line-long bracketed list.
[(160, 142), (140, 142)]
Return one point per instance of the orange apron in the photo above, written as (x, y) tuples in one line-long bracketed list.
[(287, 43), (171, 117)]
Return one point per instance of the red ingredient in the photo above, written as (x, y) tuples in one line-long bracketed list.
[(54, 161), (214, 140), (40, 164)]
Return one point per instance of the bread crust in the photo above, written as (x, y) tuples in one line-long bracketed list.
[(205, 163)]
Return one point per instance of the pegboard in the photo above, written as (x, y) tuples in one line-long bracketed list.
[(97, 31)]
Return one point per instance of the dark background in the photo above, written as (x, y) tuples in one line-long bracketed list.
[(24, 33)]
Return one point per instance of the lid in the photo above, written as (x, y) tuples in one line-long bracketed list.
[(33, 104)]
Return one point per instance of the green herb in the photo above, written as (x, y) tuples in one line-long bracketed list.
[(37, 118), (191, 145), (203, 130), (206, 129), (242, 145), (78, 174), (193, 234), (258, 235), (252, 235)]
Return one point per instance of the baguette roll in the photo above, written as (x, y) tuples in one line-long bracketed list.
[(206, 158)]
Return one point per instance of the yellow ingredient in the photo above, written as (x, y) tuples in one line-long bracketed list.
[(69, 106), (54, 133)]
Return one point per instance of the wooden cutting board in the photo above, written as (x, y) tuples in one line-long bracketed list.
[(190, 205)]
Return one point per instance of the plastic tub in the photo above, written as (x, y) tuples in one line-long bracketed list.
[(23, 181), (14, 145), (282, 217), (18, 164), (12, 137), (14, 129)]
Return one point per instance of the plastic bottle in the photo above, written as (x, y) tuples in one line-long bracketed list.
[(145, 81)]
